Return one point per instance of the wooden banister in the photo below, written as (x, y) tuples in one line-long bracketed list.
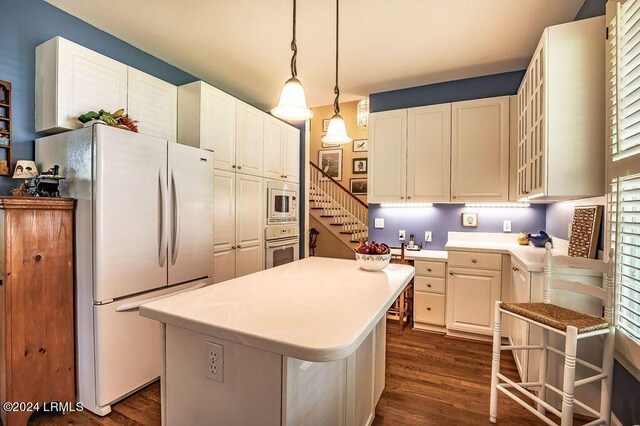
[(338, 183)]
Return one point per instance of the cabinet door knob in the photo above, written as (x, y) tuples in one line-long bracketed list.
[(428, 269), (409, 197), (453, 197), (239, 167), (233, 247), (233, 166), (38, 257), (514, 268), (429, 285), (474, 260), (428, 308), (450, 273), (238, 246), (402, 198)]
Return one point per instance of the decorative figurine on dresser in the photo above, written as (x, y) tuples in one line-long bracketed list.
[(37, 349)]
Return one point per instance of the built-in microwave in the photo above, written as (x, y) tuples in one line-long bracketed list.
[(282, 203)]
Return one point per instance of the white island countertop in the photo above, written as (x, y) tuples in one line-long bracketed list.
[(316, 309)]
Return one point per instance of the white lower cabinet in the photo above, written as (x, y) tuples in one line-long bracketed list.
[(238, 225), (471, 294), (429, 287)]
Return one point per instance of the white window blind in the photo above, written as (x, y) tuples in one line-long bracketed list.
[(623, 67)]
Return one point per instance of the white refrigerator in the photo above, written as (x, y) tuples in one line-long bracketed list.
[(144, 230)]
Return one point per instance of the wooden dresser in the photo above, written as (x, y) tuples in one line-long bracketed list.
[(37, 355)]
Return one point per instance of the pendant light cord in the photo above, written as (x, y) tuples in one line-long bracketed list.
[(294, 46), (336, 89)]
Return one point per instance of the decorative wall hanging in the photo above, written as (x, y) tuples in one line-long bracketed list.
[(361, 145), (359, 166), (469, 220), (330, 161), (585, 228), (358, 186)]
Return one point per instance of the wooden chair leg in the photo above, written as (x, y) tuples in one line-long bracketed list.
[(401, 312), (569, 380), (606, 387), (495, 364), (542, 374)]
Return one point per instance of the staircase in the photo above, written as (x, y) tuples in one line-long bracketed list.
[(341, 212)]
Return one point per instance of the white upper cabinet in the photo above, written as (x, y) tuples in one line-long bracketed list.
[(281, 150), (71, 80), (428, 153), (249, 140), (560, 107), (480, 150), (292, 155), (154, 103), (387, 156), (207, 120)]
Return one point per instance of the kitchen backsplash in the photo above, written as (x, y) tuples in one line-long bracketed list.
[(442, 218)]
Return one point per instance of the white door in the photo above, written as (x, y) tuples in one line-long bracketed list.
[(249, 259), (128, 347), (292, 155), (480, 150), (387, 156), (87, 81), (154, 103), (273, 148), (224, 216), (131, 209), (250, 210), (471, 297), (190, 178), (429, 154), (218, 126), (250, 140), (224, 265)]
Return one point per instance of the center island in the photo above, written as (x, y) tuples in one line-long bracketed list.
[(303, 343)]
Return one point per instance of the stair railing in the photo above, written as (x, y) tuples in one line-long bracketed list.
[(347, 209)]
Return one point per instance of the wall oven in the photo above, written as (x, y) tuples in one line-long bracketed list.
[(281, 245), (282, 203)]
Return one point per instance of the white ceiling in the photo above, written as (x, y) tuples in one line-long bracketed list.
[(242, 46)]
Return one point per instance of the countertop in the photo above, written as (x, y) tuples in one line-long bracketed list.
[(431, 255), (531, 257), (316, 309)]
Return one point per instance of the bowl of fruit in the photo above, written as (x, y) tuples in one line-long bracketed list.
[(373, 257)]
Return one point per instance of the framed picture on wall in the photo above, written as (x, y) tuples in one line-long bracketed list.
[(360, 145), (358, 186), (469, 220), (359, 166), (325, 125), (330, 161)]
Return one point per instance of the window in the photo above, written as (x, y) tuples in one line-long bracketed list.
[(623, 165)]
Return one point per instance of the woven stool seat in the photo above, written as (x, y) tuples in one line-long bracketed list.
[(556, 316)]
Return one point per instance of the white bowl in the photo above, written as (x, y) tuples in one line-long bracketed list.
[(373, 262)]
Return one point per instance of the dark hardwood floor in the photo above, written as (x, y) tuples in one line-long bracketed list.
[(431, 380)]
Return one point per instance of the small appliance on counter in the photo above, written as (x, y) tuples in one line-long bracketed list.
[(539, 239), (412, 246)]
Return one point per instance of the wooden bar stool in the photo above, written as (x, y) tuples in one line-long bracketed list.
[(402, 309), (575, 326)]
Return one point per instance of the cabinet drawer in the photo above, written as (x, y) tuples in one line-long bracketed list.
[(428, 308), (475, 260), (432, 269), (429, 284)]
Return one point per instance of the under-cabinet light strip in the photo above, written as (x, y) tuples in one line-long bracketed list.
[(405, 205), (498, 205)]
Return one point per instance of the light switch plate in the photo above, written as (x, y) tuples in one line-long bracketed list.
[(506, 226), (401, 235), (378, 223), (427, 236)]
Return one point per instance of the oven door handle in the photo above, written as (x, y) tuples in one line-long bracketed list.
[(276, 244)]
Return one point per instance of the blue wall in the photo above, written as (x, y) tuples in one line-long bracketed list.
[(443, 218)]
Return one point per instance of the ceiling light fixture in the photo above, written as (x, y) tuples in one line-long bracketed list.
[(337, 131), (293, 102)]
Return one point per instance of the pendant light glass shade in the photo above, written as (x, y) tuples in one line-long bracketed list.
[(293, 102), (337, 131)]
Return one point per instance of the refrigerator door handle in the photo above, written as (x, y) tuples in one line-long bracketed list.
[(175, 244), (162, 238), (135, 305)]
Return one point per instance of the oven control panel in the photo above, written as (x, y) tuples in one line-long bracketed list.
[(281, 231)]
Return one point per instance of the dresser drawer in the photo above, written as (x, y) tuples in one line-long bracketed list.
[(429, 284), (431, 269), (466, 259), (428, 308)]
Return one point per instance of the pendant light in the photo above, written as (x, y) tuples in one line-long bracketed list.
[(337, 131), (293, 102)]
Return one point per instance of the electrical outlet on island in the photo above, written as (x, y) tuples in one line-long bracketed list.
[(215, 361)]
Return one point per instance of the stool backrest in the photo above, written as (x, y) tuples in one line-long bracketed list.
[(399, 258), (604, 293)]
